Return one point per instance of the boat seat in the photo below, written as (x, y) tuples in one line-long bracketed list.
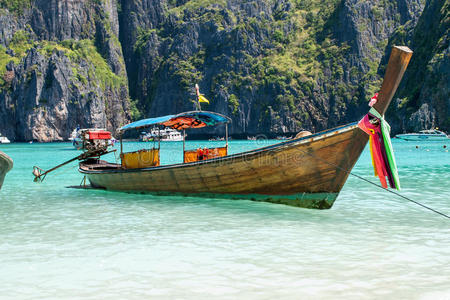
[(140, 159), (197, 155)]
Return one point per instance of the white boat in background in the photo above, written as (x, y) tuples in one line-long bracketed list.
[(166, 135), (75, 138), (215, 139), (4, 139), (424, 135)]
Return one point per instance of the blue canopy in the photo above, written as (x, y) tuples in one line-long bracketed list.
[(192, 119), (146, 122)]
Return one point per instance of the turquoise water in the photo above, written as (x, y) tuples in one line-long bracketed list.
[(61, 243)]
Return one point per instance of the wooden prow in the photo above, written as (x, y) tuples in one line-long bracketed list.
[(398, 61)]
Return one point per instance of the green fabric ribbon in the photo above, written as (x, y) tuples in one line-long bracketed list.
[(385, 131)]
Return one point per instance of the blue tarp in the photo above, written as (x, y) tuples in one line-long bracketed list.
[(207, 117), (146, 122)]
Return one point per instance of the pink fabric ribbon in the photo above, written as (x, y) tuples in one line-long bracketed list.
[(381, 150), (374, 132)]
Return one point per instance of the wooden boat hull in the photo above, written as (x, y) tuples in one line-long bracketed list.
[(6, 164), (306, 172)]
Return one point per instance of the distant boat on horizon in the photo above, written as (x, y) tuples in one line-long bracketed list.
[(4, 139), (165, 135), (424, 135), (281, 137)]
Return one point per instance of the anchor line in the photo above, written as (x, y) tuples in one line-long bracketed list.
[(379, 186)]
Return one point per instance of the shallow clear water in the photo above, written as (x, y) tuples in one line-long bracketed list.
[(57, 242)]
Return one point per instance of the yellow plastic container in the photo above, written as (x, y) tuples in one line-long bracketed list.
[(140, 159)]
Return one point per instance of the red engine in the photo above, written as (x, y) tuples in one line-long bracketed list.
[(95, 140), (98, 135)]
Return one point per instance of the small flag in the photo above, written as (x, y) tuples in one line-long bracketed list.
[(202, 98)]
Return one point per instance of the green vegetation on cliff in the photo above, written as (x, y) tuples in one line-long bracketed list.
[(296, 52), (76, 51), (15, 6), (18, 46), (4, 60), (61, 64), (287, 63), (194, 5), (85, 50)]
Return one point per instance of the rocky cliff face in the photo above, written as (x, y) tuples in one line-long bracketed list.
[(273, 66), (61, 65), (424, 96)]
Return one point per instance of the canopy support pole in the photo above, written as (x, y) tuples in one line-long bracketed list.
[(226, 136), (159, 137), (184, 144), (121, 145)]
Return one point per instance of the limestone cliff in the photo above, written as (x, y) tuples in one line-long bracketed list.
[(273, 66), (61, 66), (424, 96)]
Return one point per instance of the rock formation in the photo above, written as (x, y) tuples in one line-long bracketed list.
[(62, 66), (272, 66)]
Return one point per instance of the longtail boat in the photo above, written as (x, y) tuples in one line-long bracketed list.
[(307, 171), (6, 164)]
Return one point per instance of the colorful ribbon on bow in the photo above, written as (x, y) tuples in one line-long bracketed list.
[(381, 150)]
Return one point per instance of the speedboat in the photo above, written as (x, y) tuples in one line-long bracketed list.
[(424, 135)]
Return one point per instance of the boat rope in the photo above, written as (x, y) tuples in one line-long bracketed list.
[(400, 195), (377, 185)]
